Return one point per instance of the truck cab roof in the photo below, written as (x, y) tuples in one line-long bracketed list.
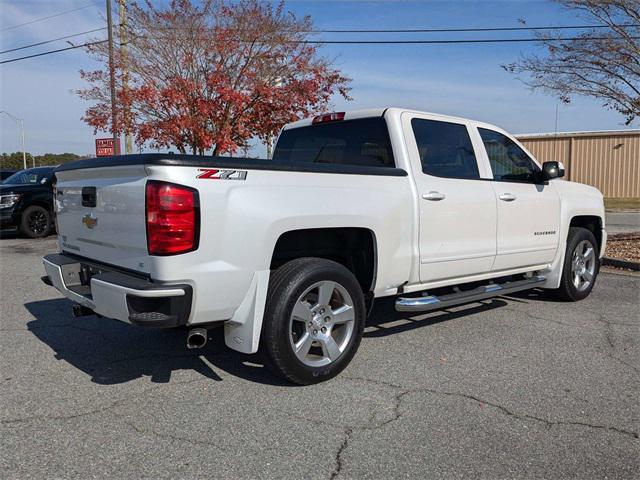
[(393, 112)]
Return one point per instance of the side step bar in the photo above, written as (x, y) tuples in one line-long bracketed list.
[(431, 302)]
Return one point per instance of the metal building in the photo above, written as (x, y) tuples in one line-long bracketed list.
[(608, 160)]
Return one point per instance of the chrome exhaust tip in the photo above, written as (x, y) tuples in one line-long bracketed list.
[(197, 338)]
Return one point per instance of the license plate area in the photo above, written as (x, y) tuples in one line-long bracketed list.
[(78, 277), (86, 272)]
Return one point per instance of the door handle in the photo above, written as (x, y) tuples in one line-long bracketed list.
[(433, 196), (507, 197)]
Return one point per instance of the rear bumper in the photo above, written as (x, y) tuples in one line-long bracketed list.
[(118, 295)]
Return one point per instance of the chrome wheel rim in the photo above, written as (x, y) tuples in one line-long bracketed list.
[(583, 265), (321, 324)]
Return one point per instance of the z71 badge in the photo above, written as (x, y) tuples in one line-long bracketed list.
[(215, 174)]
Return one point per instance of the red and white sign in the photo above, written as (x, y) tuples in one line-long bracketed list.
[(104, 147)]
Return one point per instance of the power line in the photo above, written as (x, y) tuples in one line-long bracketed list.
[(404, 30), (368, 42), (447, 30), (52, 51), (432, 30), (444, 42), (53, 40), (459, 30), (50, 16)]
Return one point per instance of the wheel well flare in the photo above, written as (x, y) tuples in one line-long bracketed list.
[(590, 222), (355, 248)]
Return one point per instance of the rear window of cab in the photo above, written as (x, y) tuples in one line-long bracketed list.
[(363, 142)]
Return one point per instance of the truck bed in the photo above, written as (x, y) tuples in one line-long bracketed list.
[(170, 159)]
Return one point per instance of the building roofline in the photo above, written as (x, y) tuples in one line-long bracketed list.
[(595, 133)]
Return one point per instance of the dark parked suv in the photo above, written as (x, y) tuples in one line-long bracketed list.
[(4, 174), (26, 202)]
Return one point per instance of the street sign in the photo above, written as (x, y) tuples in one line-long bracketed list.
[(104, 147)]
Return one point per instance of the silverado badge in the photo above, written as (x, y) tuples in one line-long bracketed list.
[(90, 221)]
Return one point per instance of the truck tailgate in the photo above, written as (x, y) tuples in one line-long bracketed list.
[(101, 215)]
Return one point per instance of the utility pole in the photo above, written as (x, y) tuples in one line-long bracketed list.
[(555, 135), (122, 15), (20, 122), (277, 83), (112, 79), (269, 147)]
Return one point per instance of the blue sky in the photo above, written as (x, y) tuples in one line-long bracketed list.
[(463, 80)]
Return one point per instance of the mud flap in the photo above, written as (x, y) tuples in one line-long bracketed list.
[(242, 331)]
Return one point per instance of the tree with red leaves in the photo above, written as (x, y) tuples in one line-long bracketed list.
[(210, 77)]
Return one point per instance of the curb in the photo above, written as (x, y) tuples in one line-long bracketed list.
[(624, 236), (614, 262)]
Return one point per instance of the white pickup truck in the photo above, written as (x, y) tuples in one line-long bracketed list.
[(289, 254)]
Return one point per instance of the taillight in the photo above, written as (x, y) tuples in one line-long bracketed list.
[(173, 218), (329, 117)]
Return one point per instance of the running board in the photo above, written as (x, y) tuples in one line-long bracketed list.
[(431, 302)]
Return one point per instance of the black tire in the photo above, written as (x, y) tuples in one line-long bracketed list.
[(568, 290), (287, 284), (36, 222)]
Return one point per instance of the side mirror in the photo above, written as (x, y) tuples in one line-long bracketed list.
[(561, 171), (551, 170)]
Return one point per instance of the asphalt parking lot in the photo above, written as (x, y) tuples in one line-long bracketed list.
[(519, 387), (622, 222)]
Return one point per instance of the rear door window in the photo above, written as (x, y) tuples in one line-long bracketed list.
[(363, 142), (445, 149)]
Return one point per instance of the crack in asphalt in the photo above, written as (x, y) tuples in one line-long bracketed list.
[(537, 317), (48, 418), (338, 457), (599, 318), (101, 409), (527, 416), (508, 412), (166, 436), (608, 335), (630, 365), (397, 414), (348, 432)]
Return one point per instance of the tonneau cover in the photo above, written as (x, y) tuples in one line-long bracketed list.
[(170, 159)]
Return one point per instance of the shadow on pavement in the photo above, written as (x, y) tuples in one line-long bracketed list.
[(537, 294), (114, 352), (385, 320)]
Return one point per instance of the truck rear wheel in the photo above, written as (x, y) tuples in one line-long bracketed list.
[(581, 265), (313, 321)]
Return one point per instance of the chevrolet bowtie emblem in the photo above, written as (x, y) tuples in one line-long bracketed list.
[(89, 221)]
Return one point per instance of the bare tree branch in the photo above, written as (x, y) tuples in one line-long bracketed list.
[(603, 66)]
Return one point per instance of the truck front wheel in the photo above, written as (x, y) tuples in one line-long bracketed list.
[(313, 321), (581, 265)]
